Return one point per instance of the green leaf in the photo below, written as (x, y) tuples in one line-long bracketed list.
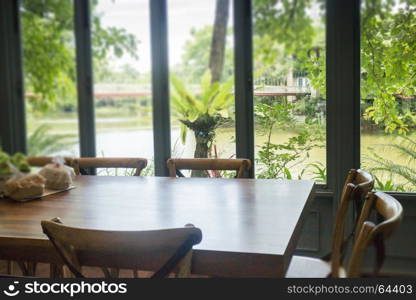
[(206, 82), (287, 173), (183, 133)]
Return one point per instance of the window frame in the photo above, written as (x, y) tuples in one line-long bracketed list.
[(342, 80), (85, 88), (12, 114)]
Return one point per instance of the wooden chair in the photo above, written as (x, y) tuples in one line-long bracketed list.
[(176, 164), (40, 161), (166, 251), (356, 187), (389, 212), (81, 165)]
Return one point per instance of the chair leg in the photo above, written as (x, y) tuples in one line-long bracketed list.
[(23, 268), (27, 268), (9, 267), (184, 267), (55, 271), (111, 272), (31, 267), (107, 273), (67, 273), (135, 273), (115, 272)]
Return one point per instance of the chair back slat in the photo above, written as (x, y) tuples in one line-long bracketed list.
[(391, 212), (358, 183), (41, 161), (239, 165), (110, 162), (144, 250)]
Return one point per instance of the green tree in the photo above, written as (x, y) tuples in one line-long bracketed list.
[(126, 74), (49, 53), (195, 57), (388, 61), (286, 33), (219, 40), (286, 36)]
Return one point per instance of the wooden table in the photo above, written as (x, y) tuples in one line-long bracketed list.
[(250, 227)]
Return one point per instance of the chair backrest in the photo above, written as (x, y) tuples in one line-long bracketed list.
[(40, 161), (83, 163), (356, 187), (164, 251), (389, 212), (239, 165)]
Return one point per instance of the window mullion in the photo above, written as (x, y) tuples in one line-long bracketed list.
[(243, 70), (343, 91), (12, 112), (160, 85), (86, 115)]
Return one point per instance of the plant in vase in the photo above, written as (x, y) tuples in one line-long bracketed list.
[(202, 112)]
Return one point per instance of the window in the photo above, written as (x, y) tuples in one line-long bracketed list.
[(290, 89), (49, 74), (202, 73), (289, 84), (388, 66), (122, 78)]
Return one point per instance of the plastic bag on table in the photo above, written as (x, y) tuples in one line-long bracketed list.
[(58, 176)]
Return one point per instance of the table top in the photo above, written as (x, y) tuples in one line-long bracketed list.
[(243, 218)]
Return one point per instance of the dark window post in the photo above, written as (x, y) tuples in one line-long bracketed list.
[(243, 69), (86, 116), (160, 85), (343, 90), (12, 104)]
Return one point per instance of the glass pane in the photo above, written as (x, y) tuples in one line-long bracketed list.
[(122, 80), (290, 89), (50, 77), (201, 64), (388, 83)]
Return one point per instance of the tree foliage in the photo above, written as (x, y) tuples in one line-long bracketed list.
[(42, 142), (279, 160), (401, 176), (195, 57), (388, 61), (286, 36), (219, 39), (49, 49), (286, 33)]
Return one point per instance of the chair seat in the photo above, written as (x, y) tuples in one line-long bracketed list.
[(309, 267)]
